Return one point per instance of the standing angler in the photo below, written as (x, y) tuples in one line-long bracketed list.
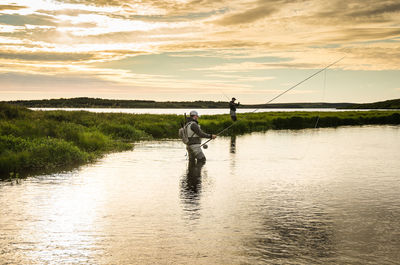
[(232, 106), (195, 134)]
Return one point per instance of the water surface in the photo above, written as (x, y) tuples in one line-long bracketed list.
[(282, 197), (201, 111)]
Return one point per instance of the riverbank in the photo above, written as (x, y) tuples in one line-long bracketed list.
[(34, 142), (115, 103)]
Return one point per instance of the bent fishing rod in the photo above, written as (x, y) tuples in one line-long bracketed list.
[(281, 94)]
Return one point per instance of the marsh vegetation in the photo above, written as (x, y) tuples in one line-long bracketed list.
[(46, 141)]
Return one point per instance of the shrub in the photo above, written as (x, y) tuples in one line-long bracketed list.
[(19, 155), (8, 111), (122, 131), (93, 141)]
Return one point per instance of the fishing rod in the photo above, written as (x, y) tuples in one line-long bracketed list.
[(281, 94), (287, 90)]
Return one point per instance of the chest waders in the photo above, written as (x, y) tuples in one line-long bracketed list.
[(194, 150)]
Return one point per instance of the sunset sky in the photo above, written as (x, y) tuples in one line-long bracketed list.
[(176, 50)]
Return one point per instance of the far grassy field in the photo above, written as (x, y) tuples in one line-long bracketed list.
[(34, 142)]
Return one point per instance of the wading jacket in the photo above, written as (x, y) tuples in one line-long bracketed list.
[(194, 132), (233, 105)]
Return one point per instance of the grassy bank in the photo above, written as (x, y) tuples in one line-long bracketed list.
[(46, 141)]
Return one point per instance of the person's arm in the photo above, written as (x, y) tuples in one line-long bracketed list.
[(196, 129)]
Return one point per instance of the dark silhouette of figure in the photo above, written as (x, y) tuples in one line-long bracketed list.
[(233, 144), (193, 177), (191, 190), (232, 107)]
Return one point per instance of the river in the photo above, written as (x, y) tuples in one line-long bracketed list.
[(201, 111), (314, 196)]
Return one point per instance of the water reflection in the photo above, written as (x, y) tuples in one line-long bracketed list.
[(191, 190), (257, 205), (233, 144)]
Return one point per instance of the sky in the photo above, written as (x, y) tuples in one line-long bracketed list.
[(188, 50)]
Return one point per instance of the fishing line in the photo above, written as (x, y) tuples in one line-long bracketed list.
[(287, 90), (281, 94), (224, 94), (323, 100), (308, 144)]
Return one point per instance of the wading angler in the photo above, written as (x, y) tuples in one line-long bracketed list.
[(191, 135)]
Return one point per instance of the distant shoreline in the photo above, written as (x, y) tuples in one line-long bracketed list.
[(85, 102)]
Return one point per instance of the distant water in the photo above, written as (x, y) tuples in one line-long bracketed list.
[(324, 196), (182, 111)]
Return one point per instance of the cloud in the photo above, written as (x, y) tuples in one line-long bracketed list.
[(91, 80), (11, 7), (251, 66), (47, 56), (361, 10), (355, 12), (65, 38), (95, 2), (190, 45), (37, 80), (21, 20), (66, 12), (368, 34), (262, 10), (238, 78), (377, 8), (372, 58)]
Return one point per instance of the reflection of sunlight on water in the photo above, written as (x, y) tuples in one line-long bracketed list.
[(300, 197), (55, 221)]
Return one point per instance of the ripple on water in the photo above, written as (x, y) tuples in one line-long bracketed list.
[(282, 197)]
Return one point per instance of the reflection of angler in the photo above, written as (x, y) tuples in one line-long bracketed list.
[(233, 144), (191, 190), (193, 178)]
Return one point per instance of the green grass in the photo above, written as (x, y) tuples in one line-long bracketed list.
[(251, 122), (33, 142)]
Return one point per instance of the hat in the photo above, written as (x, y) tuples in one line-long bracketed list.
[(194, 113), (233, 98)]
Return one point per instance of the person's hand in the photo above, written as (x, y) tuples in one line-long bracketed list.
[(213, 136)]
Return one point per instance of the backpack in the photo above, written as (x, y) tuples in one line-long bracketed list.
[(182, 132)]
